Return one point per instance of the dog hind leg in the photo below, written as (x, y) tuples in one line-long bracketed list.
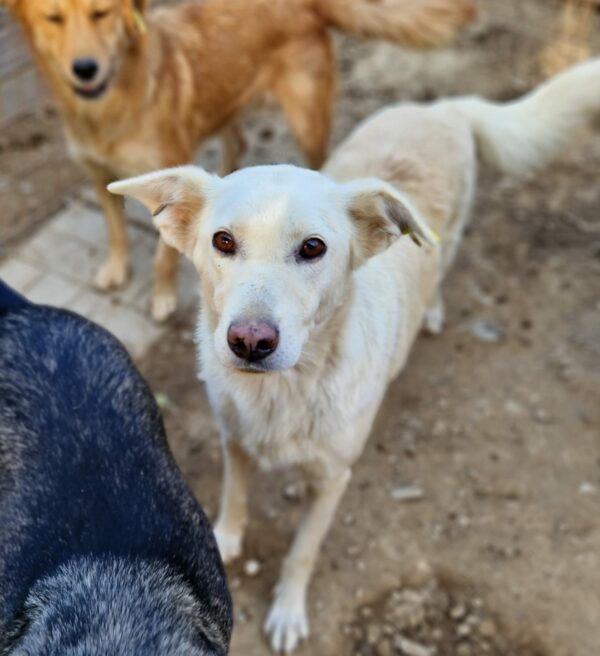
[(304, 85), (234, 147)]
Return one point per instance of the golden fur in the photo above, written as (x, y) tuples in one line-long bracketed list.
[(180, 74)]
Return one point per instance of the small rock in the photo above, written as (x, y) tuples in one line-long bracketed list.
[(487, 629), (252, 567), (513, 408), (411, 648), (587, 488), (464, 630), (292, 492), (485, 331), (407, 493), (541, 416), (348, 519), (458, 612), (366, 612)]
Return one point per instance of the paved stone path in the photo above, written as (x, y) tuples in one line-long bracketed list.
[(56, 266)]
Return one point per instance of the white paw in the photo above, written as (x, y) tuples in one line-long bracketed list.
[(163, 306), (113, 273), (286, 626), (230, 544), (433, 323)]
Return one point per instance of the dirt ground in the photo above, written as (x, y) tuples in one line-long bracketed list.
[(492, 430)]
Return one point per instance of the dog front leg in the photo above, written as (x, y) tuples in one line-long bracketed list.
[(164, 294), (113, 273), (230, 526), (287, 621)]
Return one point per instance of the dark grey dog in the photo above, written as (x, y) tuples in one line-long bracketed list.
[(103, 549)]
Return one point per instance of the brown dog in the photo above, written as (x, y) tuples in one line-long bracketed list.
[(138, 93)]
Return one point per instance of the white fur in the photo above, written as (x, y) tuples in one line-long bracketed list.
[(347, 322)]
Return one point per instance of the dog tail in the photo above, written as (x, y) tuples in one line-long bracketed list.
[(524, 135), (410, 23)]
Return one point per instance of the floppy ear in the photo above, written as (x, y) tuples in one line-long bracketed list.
[(134, 12), (175, 197), (381, 215)]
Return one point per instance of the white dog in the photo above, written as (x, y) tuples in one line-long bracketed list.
[(311, 300)]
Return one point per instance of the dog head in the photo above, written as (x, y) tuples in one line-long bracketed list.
[(275, 247), (81, 43)]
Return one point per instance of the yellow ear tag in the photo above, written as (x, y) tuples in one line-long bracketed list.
[(405, 230), (139, 21)]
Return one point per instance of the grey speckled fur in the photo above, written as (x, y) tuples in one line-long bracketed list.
[(103, 548)]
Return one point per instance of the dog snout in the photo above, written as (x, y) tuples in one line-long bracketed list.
[(252, 341), (85, 69)]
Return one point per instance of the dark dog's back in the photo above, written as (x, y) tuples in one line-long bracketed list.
[(103, 548)]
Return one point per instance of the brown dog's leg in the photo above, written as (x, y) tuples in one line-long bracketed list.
[(234, 147), (305, 85), (164, 294), (113, 273)]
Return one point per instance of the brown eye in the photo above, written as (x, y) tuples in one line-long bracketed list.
[(57, 19), (99, 14), (224, 242), (312, 248)]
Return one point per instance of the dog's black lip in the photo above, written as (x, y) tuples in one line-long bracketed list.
[(92, 94)]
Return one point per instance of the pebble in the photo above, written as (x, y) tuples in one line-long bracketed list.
[(411, 648), (458, 612), (348, 519), (252, 567), (292, 492), (513, 408), (541, 416), (464, 630), (587, 488), (486, 331), (407, 493), (487, 628)]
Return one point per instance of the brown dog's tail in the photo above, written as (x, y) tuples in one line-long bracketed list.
[(410, 23)]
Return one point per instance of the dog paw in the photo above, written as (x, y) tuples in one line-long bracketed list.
[(286, 626), (163, 306), (230, 545), (112, 274)]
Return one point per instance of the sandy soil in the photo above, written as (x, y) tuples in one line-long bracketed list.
[(499, 553)]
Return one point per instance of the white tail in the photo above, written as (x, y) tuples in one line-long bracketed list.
[(520, 136)]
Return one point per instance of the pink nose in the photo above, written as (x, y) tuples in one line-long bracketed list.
[(252, 341)]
